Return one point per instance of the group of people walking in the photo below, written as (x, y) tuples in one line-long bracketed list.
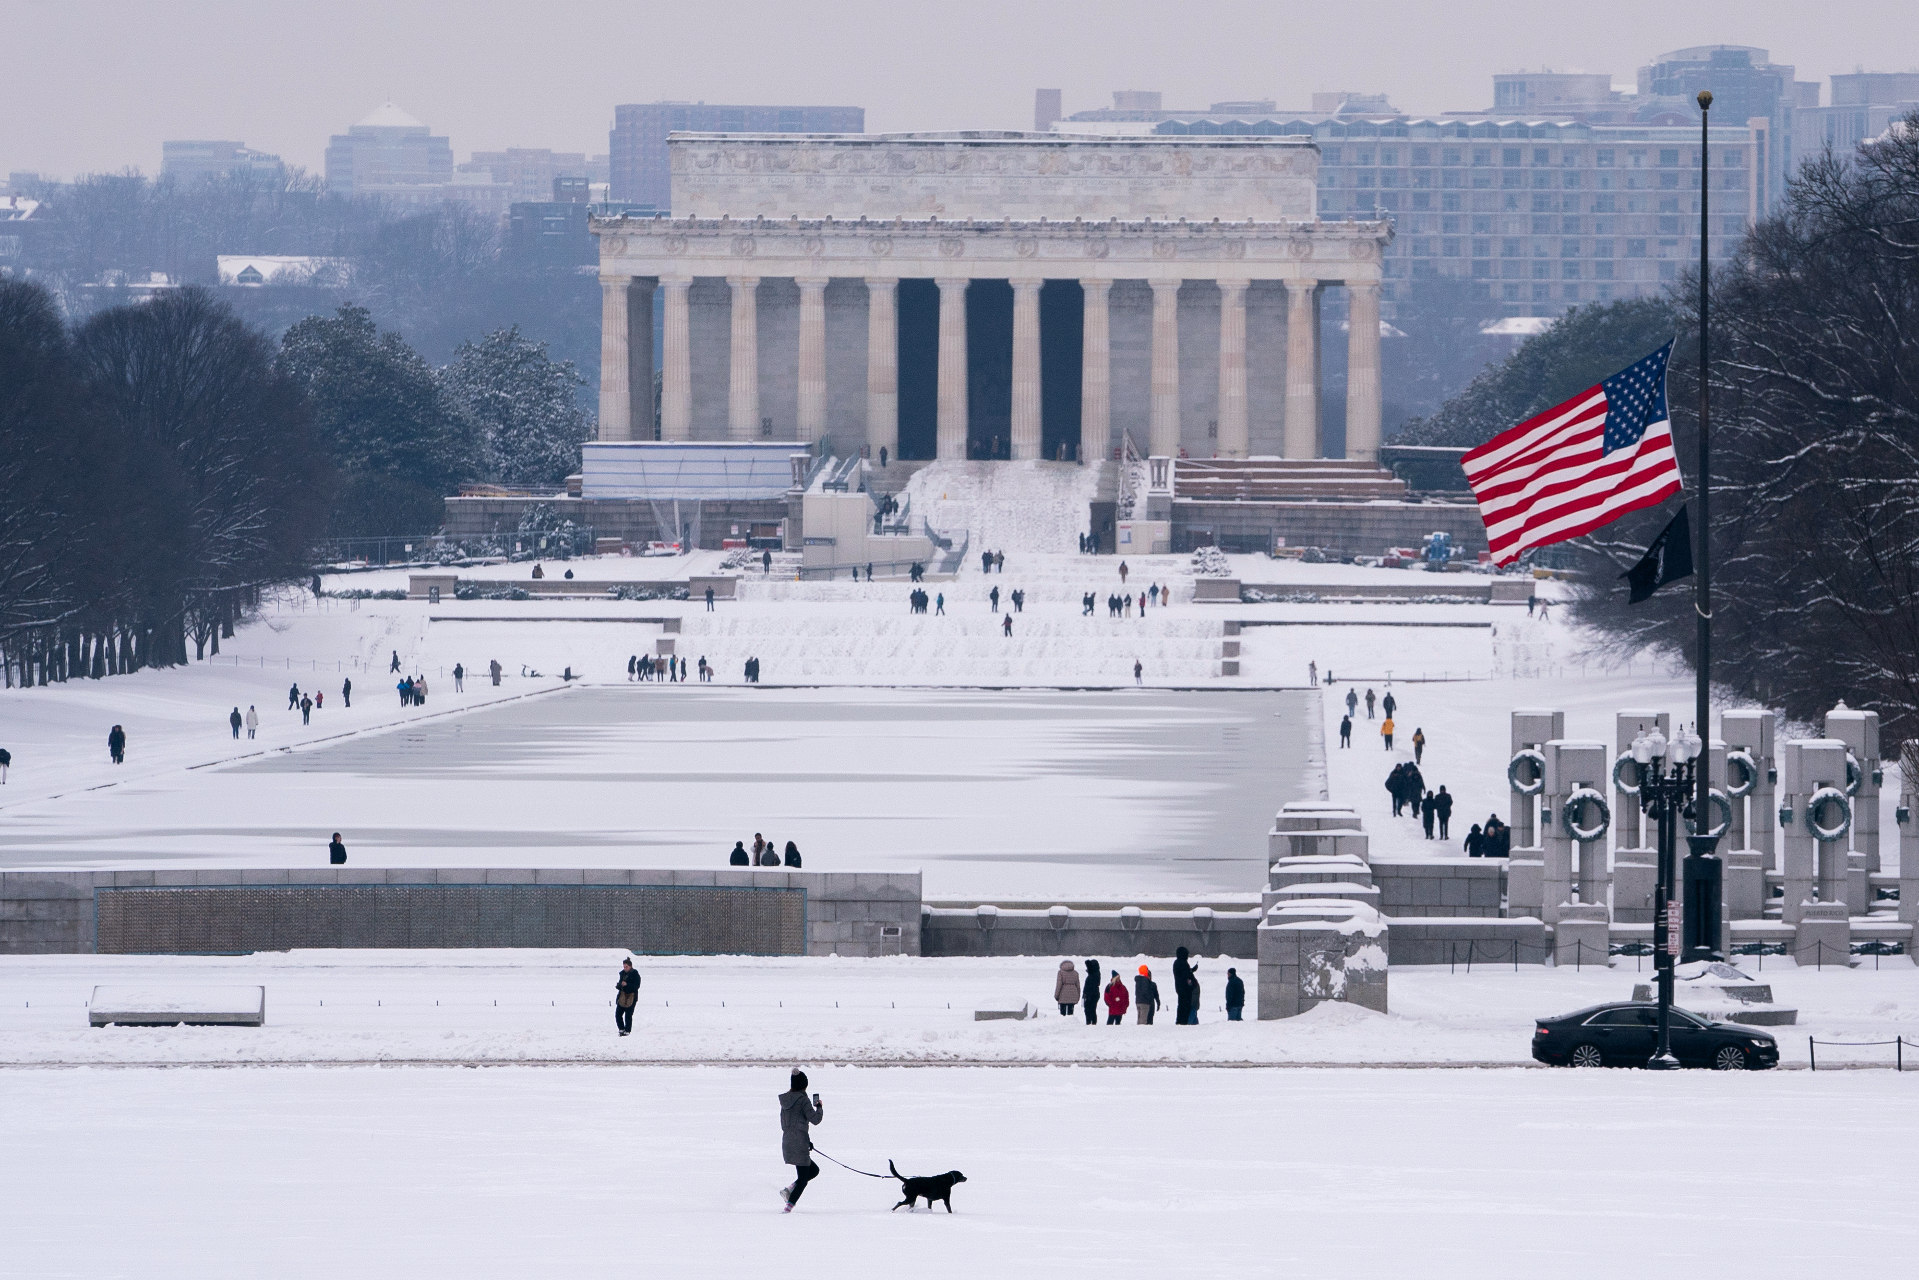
[(1494, 840), (765, 853), (919, 600), (1429, 808), (668, 669), (1071, 993)]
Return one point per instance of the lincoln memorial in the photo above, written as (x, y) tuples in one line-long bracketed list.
[(989, 295)]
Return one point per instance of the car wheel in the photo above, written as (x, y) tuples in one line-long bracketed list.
[(1729, 1058), (1587, 1055)]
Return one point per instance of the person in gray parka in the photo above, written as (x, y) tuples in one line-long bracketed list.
[(796, 1145), (1066, 988)]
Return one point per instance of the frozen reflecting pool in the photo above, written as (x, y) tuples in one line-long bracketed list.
[(1018, 792)]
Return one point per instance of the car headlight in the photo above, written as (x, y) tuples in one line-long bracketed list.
[(1761, 1044)]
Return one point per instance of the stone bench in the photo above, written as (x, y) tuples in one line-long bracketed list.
[(126, 1006)]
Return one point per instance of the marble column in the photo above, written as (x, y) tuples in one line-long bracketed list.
[(1163, 421), (1302, 369), (639, 357), (882, 368), (743, 381), (616, 388), (1096, 374), (812, 397), (1028, 437), (1233, 438), (951, 423), (676, 375), (1362, 371)]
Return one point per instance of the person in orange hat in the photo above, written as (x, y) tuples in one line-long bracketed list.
[(1145, 996)]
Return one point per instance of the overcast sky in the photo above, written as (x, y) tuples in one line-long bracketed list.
[(98, 85)]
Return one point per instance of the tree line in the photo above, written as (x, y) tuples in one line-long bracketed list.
[(164, 464), (1813, 376)]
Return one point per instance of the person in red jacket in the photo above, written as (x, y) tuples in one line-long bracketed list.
[(1116, 1001)]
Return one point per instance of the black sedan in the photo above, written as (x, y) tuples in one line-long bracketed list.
[(1625, 1035)]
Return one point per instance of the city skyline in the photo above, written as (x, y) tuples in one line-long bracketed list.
[(570, 67)]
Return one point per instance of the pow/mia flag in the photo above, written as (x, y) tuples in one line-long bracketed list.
[(1668, 559)]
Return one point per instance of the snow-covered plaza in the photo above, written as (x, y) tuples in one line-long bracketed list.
[(1026, 768)]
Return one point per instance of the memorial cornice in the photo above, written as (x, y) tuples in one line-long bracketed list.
[(1115, 248)]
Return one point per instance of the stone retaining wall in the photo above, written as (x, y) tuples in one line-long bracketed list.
[(1069, 933), (659, 912), (1459, 942), (1440, 886)]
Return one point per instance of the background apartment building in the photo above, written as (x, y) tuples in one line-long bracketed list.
[(1542, 212), (637, 144), (390, 154)]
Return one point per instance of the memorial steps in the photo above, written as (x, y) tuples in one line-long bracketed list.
[(1007, 506), (963, 648), (1046, 579)]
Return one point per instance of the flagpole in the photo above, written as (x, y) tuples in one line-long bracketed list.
[(1703, 879)]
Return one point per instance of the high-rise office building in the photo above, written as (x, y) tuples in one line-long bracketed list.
[(1540, 210), (1864, 105), (639, 168), (393, 155), (188, 160)]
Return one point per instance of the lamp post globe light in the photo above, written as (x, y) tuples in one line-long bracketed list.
[(1667, 776)]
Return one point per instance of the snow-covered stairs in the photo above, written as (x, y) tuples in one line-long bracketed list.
[(965, 647)]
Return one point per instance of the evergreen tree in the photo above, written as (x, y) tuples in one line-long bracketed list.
[(521, 406), (382, 414)]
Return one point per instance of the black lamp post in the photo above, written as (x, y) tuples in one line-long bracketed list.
[(1668, 774)]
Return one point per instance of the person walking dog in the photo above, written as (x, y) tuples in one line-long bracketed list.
[(796, 1142)]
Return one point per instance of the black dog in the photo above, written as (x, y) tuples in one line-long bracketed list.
[(938, 1187)]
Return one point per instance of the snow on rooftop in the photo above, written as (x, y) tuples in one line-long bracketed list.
[(388, 116)]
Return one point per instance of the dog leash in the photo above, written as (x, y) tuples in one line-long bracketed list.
[(849, 1168)]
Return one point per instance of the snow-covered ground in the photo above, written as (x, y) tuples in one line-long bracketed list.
[(518, 1172), (553, 1006)]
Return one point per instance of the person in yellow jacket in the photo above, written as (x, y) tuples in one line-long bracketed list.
[(1386, 731)]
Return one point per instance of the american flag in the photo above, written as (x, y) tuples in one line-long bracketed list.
[(1579, 465)]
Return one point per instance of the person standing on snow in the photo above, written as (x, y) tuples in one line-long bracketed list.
[(1352, 703), (1443, 806), (346, 692), (1345, 731), (1138, 671), (1185, 990), (1089, 993), (395, 665), (1235, 996), (494, 668), (293, 697), (1145, 997), (939, 604), (1428, 812), (1386, 732), (459, 678), (792, 855), (993, 596), (1369, 704), (117, 744), (1116, 1001), (234, 720), (1066, 988), (306, 710), (739, 856), (253, 720), (336, 852), (1419, 743), (1007, 626), (627, 989), (796, 1143)]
